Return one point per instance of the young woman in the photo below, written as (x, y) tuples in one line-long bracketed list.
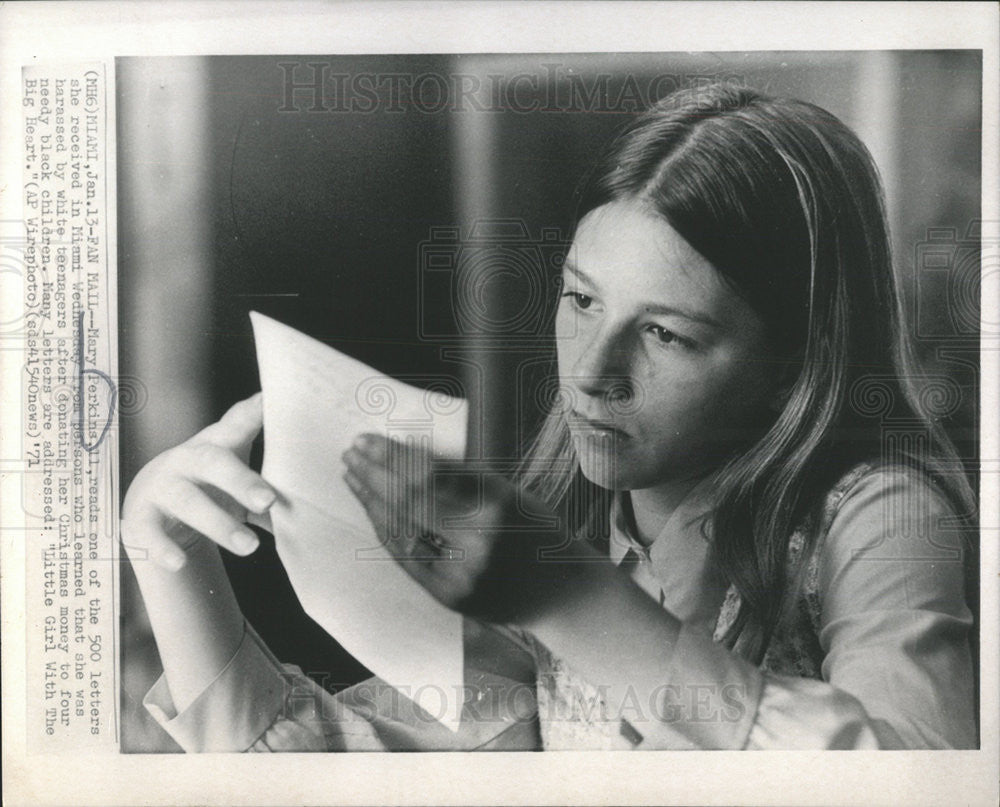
[(743, 558)]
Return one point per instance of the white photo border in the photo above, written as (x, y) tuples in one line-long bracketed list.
[(35, 33)]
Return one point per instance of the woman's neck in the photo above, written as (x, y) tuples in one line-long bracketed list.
[(652, 507)]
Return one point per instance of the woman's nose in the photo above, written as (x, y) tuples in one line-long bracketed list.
[(602, 365)]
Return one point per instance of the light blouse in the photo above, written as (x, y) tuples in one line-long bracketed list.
[(873, 652)]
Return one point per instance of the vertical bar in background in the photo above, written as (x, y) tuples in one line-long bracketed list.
[(489, 382), (165, 274), (165, 268), (878, 121)]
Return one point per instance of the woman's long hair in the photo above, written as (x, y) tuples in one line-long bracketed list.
[(786, 203)]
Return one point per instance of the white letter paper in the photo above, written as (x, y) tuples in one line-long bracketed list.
[(316, 401)]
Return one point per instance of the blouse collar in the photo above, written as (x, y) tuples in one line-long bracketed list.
[(678, 562)]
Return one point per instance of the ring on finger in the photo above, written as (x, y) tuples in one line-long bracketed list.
[(433, 540)]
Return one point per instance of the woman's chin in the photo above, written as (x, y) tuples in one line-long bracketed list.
[(607, 473), (598, 458), (619, 469)]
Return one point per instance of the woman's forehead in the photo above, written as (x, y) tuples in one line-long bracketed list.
[(624, 247)]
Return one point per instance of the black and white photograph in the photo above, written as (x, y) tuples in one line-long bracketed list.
[(720, 487), (445, 398)]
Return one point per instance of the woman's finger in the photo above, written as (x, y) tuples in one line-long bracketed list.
[(403, 481), (145, 538), (399, 520), (407, 517), (194, 508), (374, 504), (373, 476), (238, 427), (406, 462), (262, 520), (222, 469), (372, 445)]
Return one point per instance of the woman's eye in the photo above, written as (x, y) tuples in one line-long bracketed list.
[(668, 337), (579, 300)]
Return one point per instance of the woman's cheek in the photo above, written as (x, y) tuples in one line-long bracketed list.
[(566, 323), (695, 403), (729, 407), (749, 390), (566, 341)]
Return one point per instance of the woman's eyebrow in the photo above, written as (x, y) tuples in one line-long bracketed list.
[(652, 308), (573, 269), (694, 316)]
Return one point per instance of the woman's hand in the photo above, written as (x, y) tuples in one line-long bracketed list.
[(203, 487), (474, 541)]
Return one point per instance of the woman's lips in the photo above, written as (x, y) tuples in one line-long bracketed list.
[(584, 423)]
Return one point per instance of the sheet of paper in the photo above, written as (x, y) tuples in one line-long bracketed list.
[(316, 400)]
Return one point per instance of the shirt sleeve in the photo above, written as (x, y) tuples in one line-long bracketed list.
[(895, 629), (258, 704)]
